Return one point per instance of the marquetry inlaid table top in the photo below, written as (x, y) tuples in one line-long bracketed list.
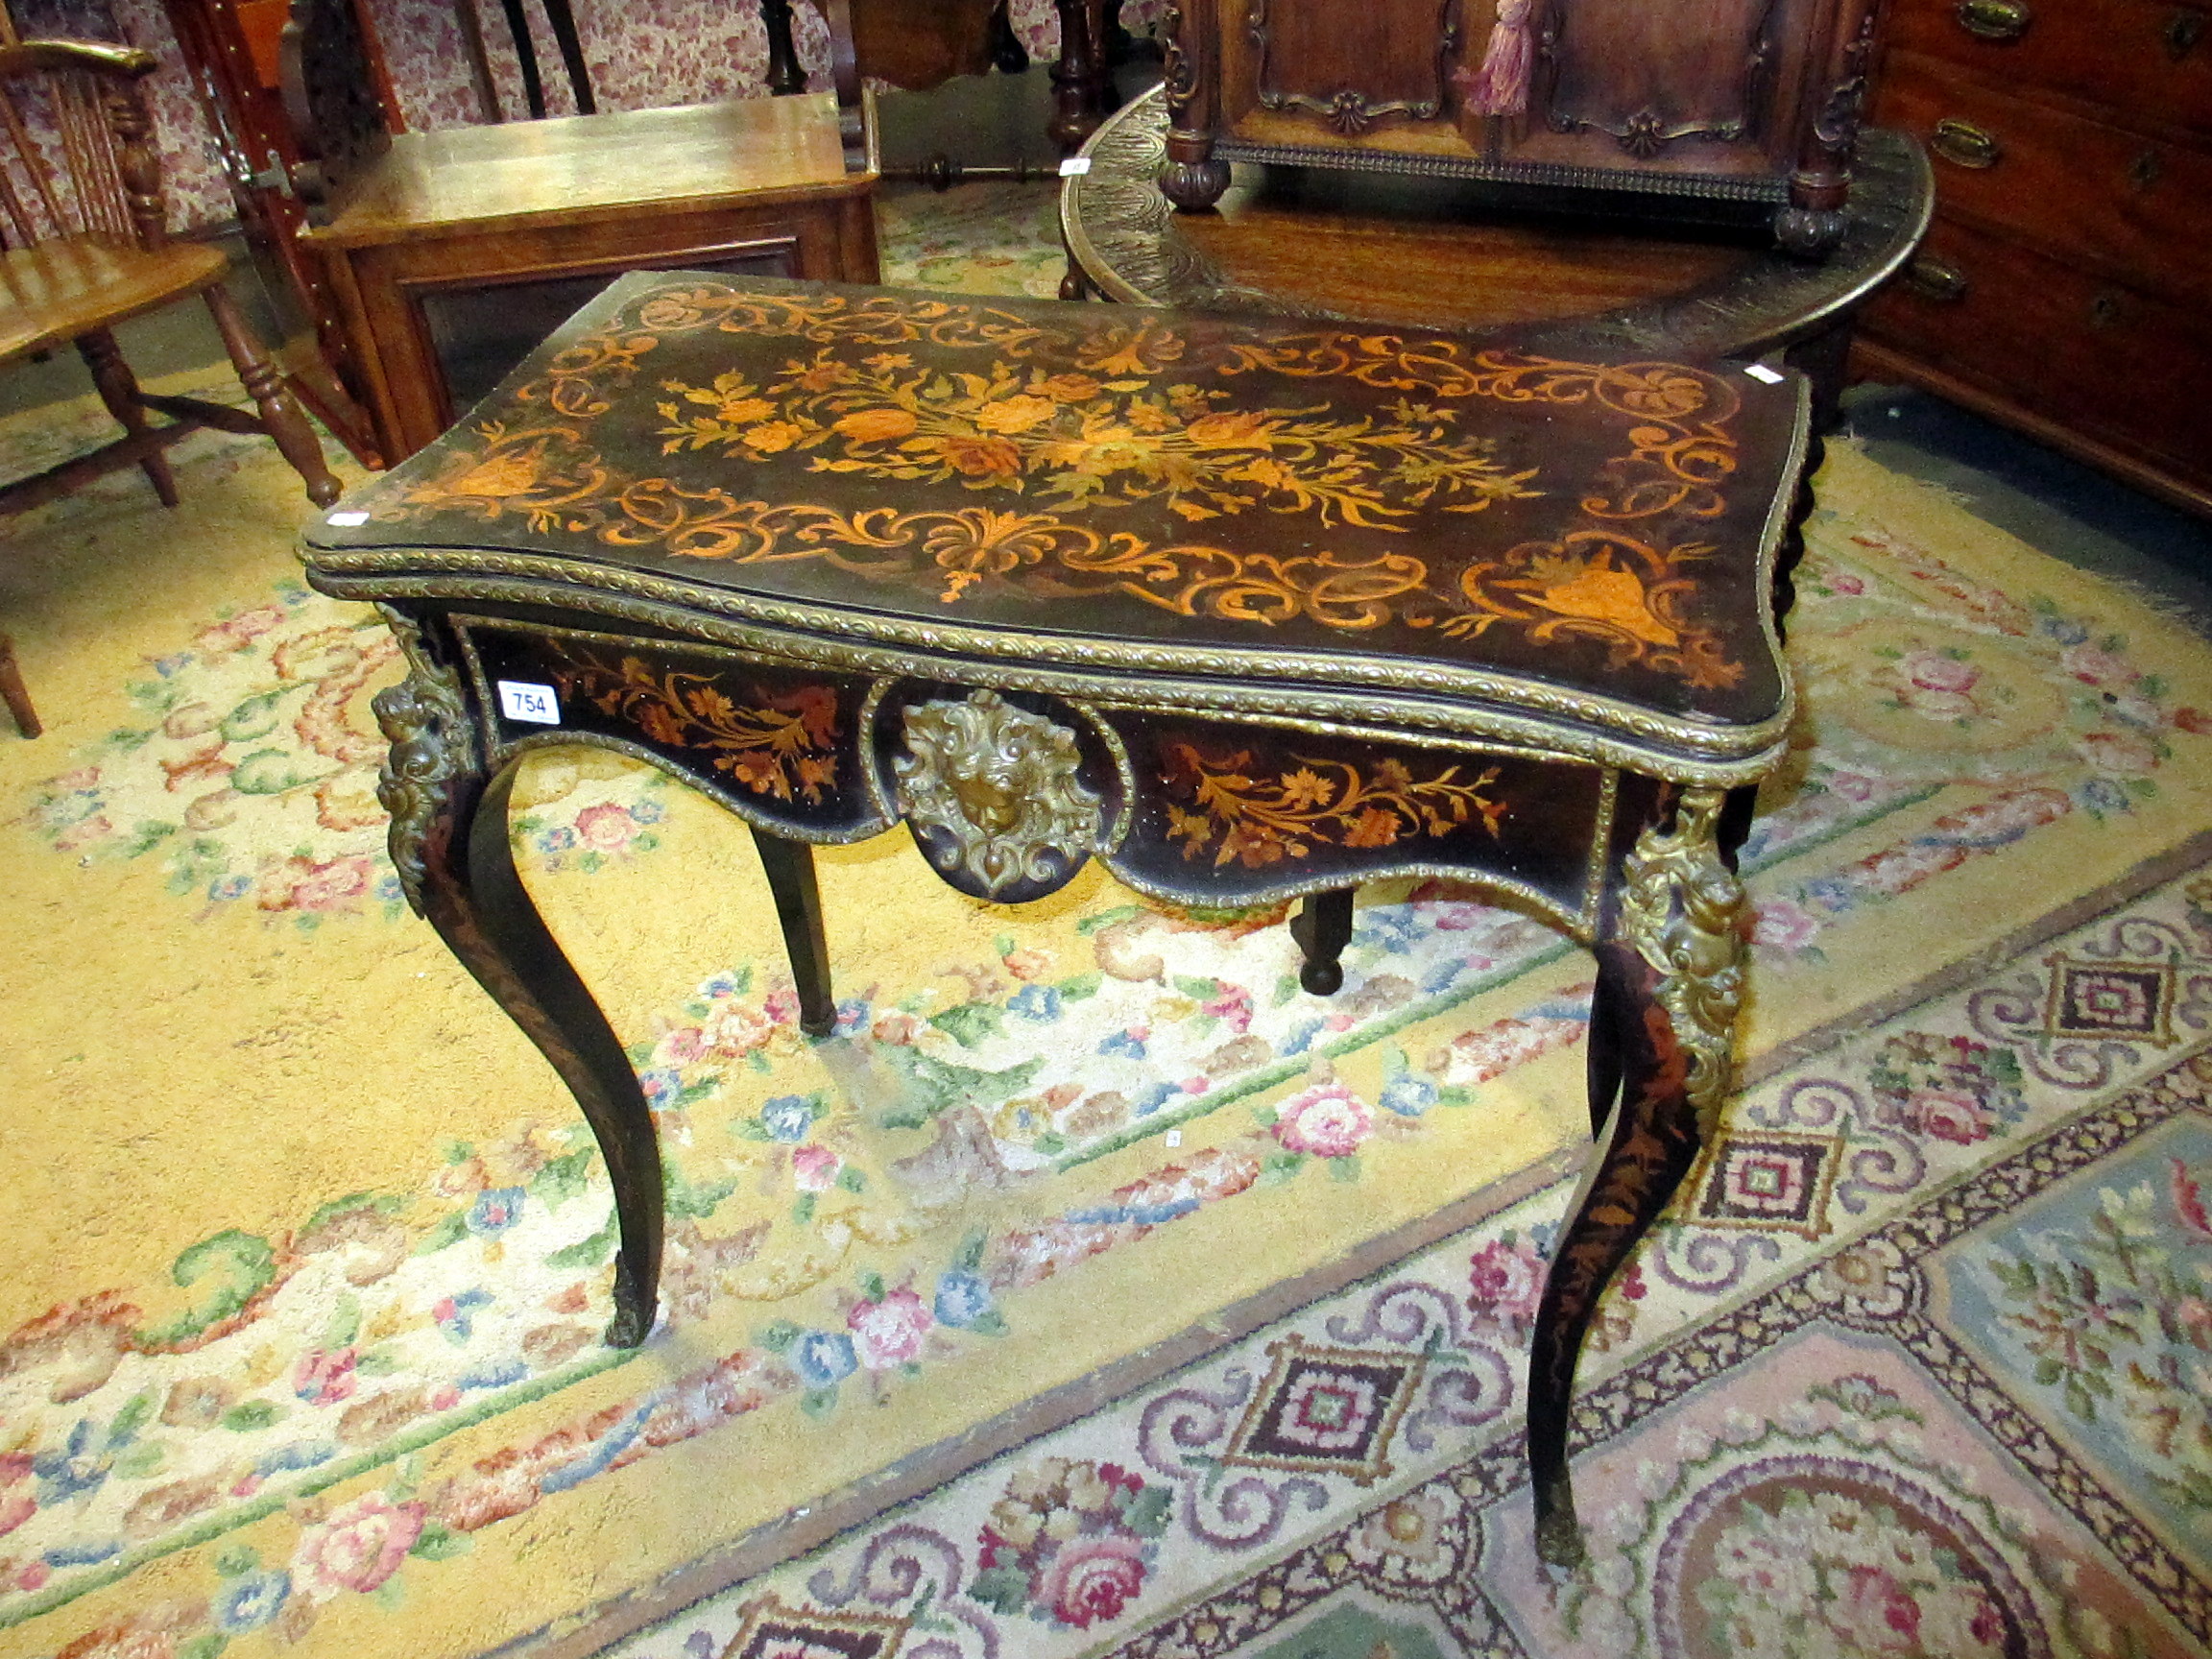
[(1459, 536)]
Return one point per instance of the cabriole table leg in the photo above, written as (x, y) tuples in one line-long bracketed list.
[(456, 863), (1671, 969)]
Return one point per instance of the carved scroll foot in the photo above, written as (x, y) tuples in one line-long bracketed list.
[(634, 1309), (1193, 186), (451, 844), (1559, 1531), (1323, 927), (791, 868)]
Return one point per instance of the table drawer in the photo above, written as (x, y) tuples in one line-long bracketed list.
[(2149, 60), (2080, 351), (2083, 190)]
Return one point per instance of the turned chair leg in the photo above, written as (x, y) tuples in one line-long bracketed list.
[(118, 390), (14, 693), (281, 416), (786, 75), (1323, 927)]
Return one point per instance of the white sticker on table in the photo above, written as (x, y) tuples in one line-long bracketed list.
[(1075, 166), (523, 700)]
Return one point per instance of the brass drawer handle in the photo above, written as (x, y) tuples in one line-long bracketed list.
[(2183, 30), (1934, 277), (1993, 19), (1963, 144)]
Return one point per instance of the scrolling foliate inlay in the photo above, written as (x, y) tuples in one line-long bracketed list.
[(1683, 909), (783, 745), (1074, 440), (1602, 584), (1682, 448), (992, 793), (1259, 820), (426, 717), (1075, 424)]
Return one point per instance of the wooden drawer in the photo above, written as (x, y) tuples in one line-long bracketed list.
[(2148, 62), (2132, 207), (2080, 353)]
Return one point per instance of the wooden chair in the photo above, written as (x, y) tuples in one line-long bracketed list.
[(89, 248), (452, 253)]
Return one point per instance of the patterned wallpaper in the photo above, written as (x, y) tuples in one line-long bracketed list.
[(642, 53)]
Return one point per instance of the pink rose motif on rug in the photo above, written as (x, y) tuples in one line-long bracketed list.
[(1071, 1543), (1506, 1280), (356, 1546), (1953, 1089), (1814, 1557), (1327, 1121), (1919, 678)]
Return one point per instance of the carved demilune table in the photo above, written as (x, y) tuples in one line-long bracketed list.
[(1245, 610)]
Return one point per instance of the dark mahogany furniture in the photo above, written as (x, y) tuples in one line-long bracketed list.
[(1450, 253), (917, 44), (2066, 288), (451, 254), (1753, 100), (1276, 609)]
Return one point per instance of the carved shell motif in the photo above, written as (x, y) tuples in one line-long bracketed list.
[(992, 794)]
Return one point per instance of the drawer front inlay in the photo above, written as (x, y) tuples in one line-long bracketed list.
[(781, 745)]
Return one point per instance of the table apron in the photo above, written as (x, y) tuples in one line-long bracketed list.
[(1188, 808)]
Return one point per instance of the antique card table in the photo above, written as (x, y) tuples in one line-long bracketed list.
[(1246, 610)]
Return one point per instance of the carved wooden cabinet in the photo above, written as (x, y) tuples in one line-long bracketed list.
[(1742, 101), (2066, 285)]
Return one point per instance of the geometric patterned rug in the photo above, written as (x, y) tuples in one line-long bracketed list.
[(1946, 1390)]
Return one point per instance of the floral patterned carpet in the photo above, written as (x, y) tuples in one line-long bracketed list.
[(1180, 1310)]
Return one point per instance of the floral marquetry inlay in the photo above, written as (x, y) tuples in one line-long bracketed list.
[(781, 745), (1076, 439), (1022, 461), (1257, 815)]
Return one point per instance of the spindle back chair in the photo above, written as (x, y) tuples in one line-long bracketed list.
[(87, 247)]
